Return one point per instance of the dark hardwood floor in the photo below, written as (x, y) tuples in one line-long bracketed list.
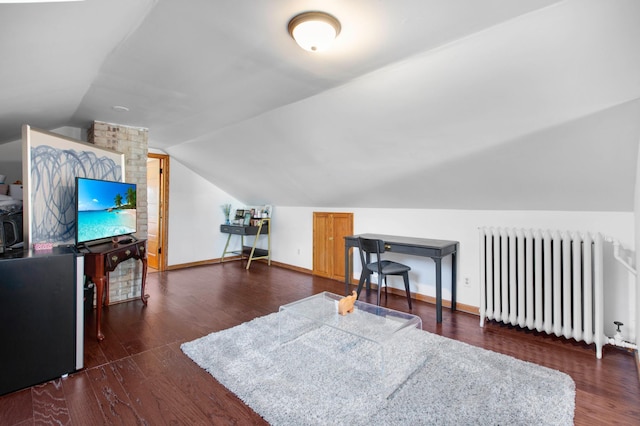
[(138, 375)]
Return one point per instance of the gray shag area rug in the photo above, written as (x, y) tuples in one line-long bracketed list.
[(327, 377)]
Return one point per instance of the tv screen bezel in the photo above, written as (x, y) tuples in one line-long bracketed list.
[(77, 211)]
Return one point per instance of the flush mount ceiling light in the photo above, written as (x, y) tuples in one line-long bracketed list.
[(314, 31)]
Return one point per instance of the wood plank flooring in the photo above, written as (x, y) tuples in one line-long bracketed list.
[(138, 375)]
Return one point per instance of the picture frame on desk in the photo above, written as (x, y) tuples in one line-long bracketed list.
[(240, 214), (247, 218)]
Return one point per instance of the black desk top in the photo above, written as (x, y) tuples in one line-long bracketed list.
[(409, 241)]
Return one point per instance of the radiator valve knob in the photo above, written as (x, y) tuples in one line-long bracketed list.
[(619, 324), (617, 338)]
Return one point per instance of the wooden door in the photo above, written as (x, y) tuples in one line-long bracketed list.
[(329, 230), (321, 247), (157, 195)]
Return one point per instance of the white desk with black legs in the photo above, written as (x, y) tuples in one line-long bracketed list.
[(435, 249)]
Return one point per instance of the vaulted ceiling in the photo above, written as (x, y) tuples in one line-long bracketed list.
[(470, 104)]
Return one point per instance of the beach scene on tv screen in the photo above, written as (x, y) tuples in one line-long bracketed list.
[(105, 209)]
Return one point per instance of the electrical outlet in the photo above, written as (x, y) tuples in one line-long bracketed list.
[(467, 283)]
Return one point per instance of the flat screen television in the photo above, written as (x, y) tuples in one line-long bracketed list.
[(104, 209)]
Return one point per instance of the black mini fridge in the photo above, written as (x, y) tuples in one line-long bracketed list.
[(41, 316)]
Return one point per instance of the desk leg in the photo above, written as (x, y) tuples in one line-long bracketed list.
[(100, 286), (224, 252), (144, 296), (367, 260), (454, 280), (347, 270), (438, 289), (106, 290)]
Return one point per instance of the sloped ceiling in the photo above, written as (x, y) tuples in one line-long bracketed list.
[(490, 104)]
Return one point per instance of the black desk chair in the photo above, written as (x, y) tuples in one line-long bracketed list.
[(381, 267)]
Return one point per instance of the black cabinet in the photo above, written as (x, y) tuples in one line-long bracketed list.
[(41, 316)]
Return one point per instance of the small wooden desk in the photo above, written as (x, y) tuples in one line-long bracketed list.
[(435, 249), (101, 259)]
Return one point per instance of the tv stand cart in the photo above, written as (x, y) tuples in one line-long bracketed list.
[(251, 252), (104, 258)]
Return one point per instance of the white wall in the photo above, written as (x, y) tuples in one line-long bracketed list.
[(195, 217), (637, 255), (194, 235), (11, 161)]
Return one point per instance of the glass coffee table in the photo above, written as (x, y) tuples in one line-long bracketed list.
[(369, 337)]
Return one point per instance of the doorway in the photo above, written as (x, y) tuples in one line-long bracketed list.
[(329, 230), (157, 210)]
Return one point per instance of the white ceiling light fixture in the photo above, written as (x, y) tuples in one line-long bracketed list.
[(314, 31)]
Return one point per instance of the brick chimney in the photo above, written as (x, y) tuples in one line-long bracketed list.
[(125, 281)]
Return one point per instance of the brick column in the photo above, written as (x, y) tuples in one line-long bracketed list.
[(125, 281)]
